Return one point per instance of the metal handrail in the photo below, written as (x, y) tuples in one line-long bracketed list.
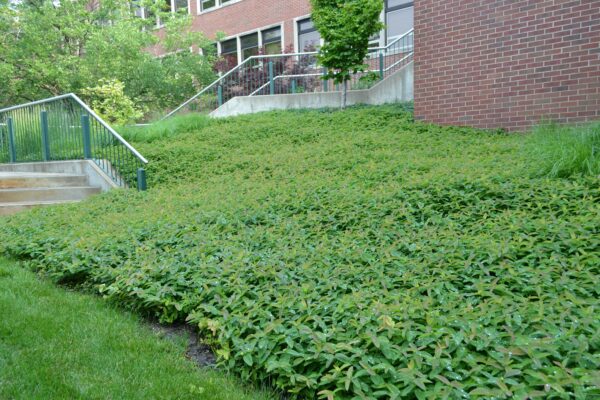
[(65, 128), (230, 72), (89, 110), (393, 42), (249, 60)]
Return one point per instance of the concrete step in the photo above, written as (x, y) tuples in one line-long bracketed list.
[(14, 180), (47, 194), (13, 208)]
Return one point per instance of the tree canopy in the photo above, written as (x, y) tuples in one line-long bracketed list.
[(345, 26), (49, 47)]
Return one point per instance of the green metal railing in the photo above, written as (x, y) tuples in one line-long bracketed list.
[(265, 75), (65, 128)]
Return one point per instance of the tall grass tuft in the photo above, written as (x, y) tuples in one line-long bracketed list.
[(565, 151), (165, 129)]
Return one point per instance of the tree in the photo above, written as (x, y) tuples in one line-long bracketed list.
[(50, 47), (345, 26)]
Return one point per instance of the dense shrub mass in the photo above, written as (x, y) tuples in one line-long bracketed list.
[(352, 254)]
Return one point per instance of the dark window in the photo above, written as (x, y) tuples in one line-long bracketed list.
[(181, 5), (308, 36), (271, 39), (229, 53), (249, 45), (229, 46), (399, 17), (207, 4)]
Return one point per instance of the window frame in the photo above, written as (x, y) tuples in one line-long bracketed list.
[(218, 4), (261, 43), (388, 10)]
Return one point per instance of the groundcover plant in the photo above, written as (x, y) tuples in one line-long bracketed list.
[(349, 254)]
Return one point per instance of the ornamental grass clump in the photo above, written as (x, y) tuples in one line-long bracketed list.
[(565, 151)]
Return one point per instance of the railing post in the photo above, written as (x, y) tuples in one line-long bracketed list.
[(141, 179), (220, 95), (293, 86), (381, 64), (325, 81), (87, 140), (45, 138), (12, 149), (271, 79)]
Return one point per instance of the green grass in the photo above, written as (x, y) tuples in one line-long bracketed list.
[(166, 129), (350, 254), (56, 344), (564, 151)]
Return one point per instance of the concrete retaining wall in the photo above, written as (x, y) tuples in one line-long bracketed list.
[(397, 87)]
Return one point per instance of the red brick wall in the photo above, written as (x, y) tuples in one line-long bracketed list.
[(249, 15), (507, 63)]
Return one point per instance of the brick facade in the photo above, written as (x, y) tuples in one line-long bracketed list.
[(250, 15), (507, 63)]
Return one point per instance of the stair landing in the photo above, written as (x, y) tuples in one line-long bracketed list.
[(23, 190)]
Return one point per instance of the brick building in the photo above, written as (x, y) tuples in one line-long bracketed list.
[(271, 26), (483, 63), (506, 63)]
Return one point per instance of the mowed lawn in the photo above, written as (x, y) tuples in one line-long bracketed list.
[(353, 254), (57, 344)]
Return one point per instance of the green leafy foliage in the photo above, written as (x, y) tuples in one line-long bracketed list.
[(110, 102), (345, 26), (565, 151), (48, 48), (354, 254), (86, 349)]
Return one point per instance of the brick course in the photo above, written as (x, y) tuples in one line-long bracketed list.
[(507, 63), (249, 15)]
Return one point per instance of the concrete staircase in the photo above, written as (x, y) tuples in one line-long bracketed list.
[(23, 190)]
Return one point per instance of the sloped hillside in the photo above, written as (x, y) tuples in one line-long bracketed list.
[(349, 254)]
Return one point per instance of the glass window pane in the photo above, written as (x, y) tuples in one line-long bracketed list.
[(249, 41), (306, 26), (399, 22), (253, 51), (271, 35), (273, 48), (207, 4), (181, 5), (309, 41), (397, 3), (229, 46)]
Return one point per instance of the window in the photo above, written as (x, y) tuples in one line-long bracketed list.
[(308, 36), (249, 44), (271, 39), (180, 5), (207, 4), (138, 11), (229, 47), (399, 17)]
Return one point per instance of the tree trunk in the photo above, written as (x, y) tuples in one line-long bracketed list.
[(345, 94)]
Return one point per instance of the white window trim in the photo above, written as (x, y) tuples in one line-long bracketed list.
[(218, 5), (296, 41), (259, 31), (158, 23)]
